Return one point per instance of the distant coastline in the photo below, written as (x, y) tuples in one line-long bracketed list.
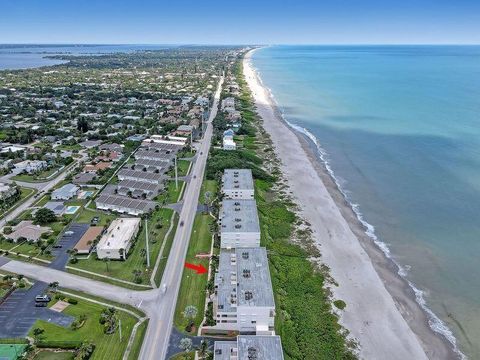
[(434, 344)]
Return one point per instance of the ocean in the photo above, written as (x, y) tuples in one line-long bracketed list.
[(400, 129)]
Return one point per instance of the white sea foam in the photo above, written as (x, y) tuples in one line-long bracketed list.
[(435, 323)]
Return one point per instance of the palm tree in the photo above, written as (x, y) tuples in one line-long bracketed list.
[(106, 261), (203, 349), (36, 334), (121, 252), (185, 344), (136, 274)]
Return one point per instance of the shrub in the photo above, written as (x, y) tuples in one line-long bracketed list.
[(340, 304)]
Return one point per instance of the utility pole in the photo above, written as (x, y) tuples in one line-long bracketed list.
[(146, 243), (176, 174)]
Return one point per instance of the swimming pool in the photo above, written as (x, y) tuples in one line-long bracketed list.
[(71, 210)]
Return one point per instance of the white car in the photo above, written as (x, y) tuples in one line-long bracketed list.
[(164, 288)]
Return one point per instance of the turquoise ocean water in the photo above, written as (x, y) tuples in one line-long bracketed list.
[(400, 127)]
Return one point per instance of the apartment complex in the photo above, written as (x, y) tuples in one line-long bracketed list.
[(239, 225), (248, 347), (243, 298), (238, 184)]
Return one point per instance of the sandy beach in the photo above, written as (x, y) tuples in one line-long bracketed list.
[(381, 314)]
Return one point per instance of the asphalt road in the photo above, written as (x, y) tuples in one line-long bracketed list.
[(156, 340), (158, 306)]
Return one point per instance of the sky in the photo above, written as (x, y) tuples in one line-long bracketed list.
[(240, 22)]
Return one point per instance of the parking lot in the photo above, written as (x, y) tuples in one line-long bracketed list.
[(18, 313), (68, 240)]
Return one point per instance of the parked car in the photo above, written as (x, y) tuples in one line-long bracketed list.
[(57, 246), (95, 220), (42, 298)]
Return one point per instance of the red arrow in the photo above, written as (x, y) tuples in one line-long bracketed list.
[(200, 269)]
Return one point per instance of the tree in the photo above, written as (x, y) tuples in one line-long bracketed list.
[(53, 286), (85, 351), (44, 216), (108, 318), (136, 276), (106, 261), (203, 349), (185, 345), (190, 313), (36, 333)]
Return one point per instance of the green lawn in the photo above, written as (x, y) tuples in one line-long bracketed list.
[(106, 346), (183, 356), (166, 251), (137, 345), (85, 216), (52, 355), (192, 288), (208, 192), (31, 250), (171, 193), (182, 167), (39, 177), (136, 260)]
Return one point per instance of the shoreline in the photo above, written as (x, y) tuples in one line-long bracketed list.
[(382, 311)]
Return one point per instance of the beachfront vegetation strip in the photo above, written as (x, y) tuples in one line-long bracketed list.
[(88, 328), (193, 286), (305, 321)]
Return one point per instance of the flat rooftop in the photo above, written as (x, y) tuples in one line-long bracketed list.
[(237, 179), (250, 347), (239, 215), (264, 347), (119, 233), (243, 279)]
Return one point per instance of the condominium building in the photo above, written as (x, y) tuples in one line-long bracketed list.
[(238, 184), (243, 299), (239, 224), (249, 347), (116, 242)]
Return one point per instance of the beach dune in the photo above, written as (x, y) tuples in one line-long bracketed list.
[(382, 326)]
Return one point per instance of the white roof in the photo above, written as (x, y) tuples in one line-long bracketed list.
[(119, 234)]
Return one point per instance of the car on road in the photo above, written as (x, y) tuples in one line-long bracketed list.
[(41, 304), (42, 298), (164, 288), (57, 246), (69, 232), (181, 223)]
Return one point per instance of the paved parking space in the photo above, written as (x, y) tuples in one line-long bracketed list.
[(18, 313), (68, 240)]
